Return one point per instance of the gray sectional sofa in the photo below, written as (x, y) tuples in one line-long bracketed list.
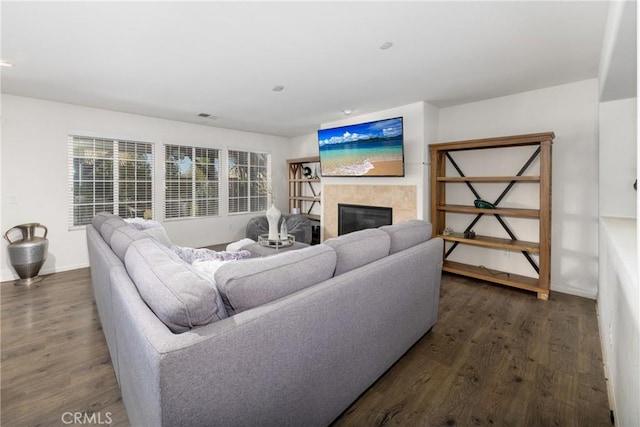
[(291, 339)]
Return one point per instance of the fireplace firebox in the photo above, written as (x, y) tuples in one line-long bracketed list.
[(358, 217)]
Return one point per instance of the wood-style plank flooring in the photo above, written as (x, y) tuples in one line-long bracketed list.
[(497, 356)]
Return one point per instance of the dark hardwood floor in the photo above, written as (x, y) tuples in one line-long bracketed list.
[(497, 356)]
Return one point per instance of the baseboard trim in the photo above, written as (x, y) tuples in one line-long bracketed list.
[(574, 291), (12, 276), (606, 357)]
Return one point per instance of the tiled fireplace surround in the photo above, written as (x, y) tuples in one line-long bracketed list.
[(401, 198)]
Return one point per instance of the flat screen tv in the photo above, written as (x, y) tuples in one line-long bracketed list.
[(365, 149)]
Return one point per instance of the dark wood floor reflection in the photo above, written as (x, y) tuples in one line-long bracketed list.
[(497, 356)]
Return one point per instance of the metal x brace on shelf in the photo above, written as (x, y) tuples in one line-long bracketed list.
[(498, 200), (315, 196)]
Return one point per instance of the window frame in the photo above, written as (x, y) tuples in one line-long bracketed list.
[(190, 185), (258, 191), (95, 147)]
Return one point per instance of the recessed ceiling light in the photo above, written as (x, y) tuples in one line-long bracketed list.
[(386, 45), (347, 112), (4, 63), (277, 88), (208, 116)]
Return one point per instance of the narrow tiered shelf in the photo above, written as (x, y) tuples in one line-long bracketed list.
[(303, 192)]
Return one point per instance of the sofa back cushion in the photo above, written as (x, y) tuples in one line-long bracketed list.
[(359, 248), (180, 296), (122, 237), (107, 227), (152, 228), (407, 234), (100, 218), (249, 283)]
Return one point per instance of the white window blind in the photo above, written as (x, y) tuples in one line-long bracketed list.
[(248, 181), (107, 175), (192, 181)]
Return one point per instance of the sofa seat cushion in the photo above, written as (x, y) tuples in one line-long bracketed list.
[(407, 234), (256, 281), (359, 248), (180, 296)]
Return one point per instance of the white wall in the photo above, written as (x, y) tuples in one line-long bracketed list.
[(571, 111), (304, 146), (35, 177), (618, 170)]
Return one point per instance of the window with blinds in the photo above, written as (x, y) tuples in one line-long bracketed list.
[(192, 181), (107, 175), (248, 181)]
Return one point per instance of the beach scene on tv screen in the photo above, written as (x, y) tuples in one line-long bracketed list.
[(366, 149)]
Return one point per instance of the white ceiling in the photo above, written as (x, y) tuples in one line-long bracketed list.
[(175, 60)]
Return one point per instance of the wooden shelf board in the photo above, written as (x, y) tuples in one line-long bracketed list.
[(506, 141), (525, 213), (495, 276), (304, 179), (494, 242), (312, 159), (528, 178), (312, 217), (305, 198)]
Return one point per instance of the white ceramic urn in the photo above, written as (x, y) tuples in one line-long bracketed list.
[(273, 217)]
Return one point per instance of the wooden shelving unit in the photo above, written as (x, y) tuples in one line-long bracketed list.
[(303, 192), (441, 154)]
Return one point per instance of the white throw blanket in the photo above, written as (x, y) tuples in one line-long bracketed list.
[(208, 261), (237, 246), (209, 268), (191, 255)]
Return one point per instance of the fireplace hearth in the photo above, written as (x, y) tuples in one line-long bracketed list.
[(358, 217)]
